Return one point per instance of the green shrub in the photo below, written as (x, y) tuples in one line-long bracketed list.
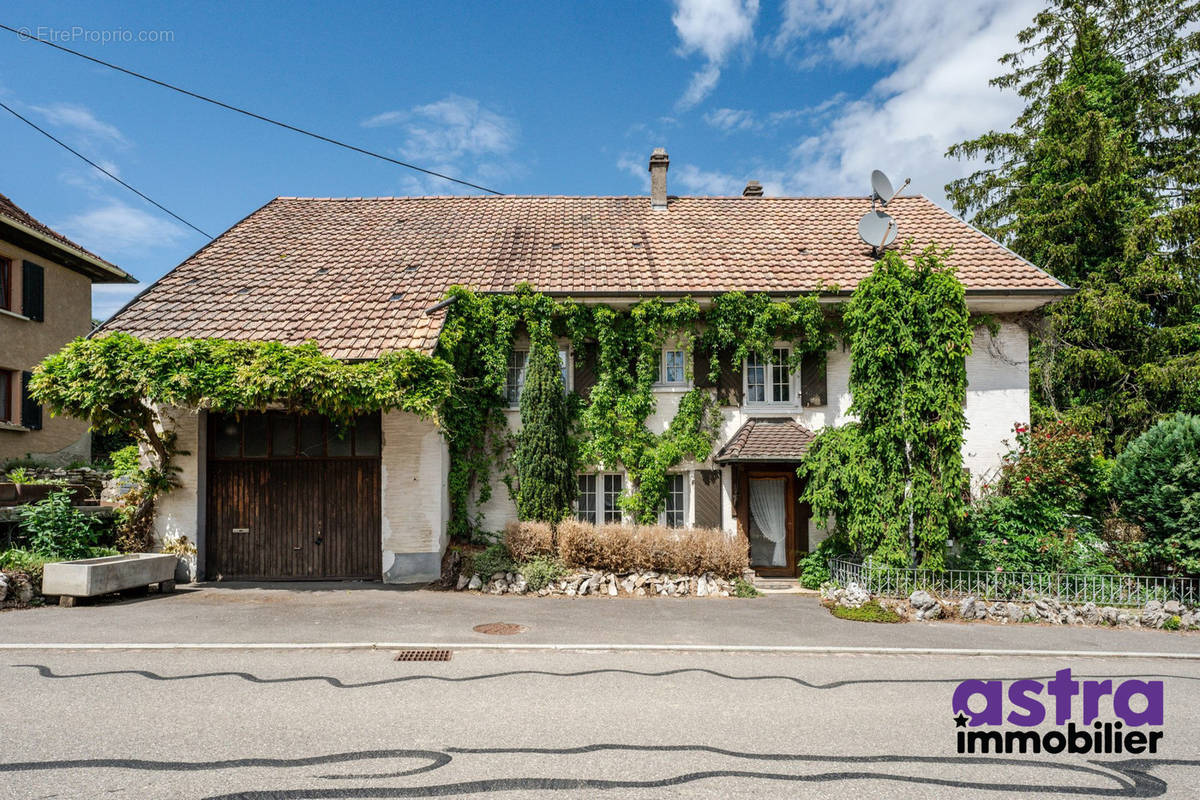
[(1042, 512), (744, 588), (56, 530), (491, 560), (814, 567), (541, 571), (867, 612), (126, 461), (1156, 483), (22, 560), (1172, 623), (545, 455)]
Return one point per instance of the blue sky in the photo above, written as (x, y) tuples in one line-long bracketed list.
[(806, 96)]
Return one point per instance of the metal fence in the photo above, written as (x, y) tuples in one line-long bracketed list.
[(1109, 590)]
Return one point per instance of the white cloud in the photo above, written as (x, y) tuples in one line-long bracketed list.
[(706, 182), (108, 298), (713, 29), (450, 128), (119, 228), (82, 121), (730, 119), (937, 93), (455, 136), (639, 169)]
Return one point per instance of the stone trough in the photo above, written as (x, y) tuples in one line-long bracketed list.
[(91, 577)]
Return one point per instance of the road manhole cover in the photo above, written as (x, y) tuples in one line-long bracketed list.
[(500, 628)]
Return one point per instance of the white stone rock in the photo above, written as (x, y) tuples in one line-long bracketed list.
[(475, 583), (463, 580)]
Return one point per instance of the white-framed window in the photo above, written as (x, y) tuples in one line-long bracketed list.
[(769, 382), (518, 361), (585, 499), (675, 512), (614, 487), (516, 376), (670, 370)]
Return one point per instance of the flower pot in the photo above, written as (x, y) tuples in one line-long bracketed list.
[(33, 492)]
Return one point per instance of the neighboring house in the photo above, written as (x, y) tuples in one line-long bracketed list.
[(276, 496), (45, 301)]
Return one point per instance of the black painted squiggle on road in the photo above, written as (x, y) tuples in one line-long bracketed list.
[(46, 672)]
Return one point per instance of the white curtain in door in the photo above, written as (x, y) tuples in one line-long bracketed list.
[(768, 504)]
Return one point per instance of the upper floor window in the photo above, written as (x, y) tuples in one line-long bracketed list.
[(769, 382), (518, 360), (670, 371), (6, 292), (674, 514)]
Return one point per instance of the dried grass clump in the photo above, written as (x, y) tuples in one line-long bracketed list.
[(527, 540), (630, 548)]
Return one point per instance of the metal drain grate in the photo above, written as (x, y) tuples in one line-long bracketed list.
[(423, 655)]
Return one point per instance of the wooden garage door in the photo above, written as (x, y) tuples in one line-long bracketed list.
[(293, 497)]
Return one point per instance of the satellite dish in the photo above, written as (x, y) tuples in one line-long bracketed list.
[(882, 186), (877, 229)]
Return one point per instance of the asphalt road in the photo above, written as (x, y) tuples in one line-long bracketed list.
[(498, 724)]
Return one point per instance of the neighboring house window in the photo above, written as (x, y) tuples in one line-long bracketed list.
[(6, 292), (614, 486), (769, 382), (516, 375), (673, 516), (6, 396), (585, 501)]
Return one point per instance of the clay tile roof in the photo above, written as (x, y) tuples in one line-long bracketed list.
[(766, 439), (358, 274), (99, 270)]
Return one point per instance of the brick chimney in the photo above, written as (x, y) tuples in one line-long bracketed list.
[(658, 179), (753, 189)]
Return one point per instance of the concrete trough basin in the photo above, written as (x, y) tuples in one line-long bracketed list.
[(91, 577)]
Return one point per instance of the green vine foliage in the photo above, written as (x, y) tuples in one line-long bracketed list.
[(610, 427), (894, 482)]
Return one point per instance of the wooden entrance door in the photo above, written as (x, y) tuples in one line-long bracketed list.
[(291, 497), (770, 516)]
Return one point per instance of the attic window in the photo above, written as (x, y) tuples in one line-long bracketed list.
[(322, 271), (556, 246), (244, 290), (397, 296), (637, 244), (193, 280), (410, 269)]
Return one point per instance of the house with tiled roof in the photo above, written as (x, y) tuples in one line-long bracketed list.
[(365, 276), (45, 301)]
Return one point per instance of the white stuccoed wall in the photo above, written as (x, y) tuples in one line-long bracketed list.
[(416, 501), (997, 396), (177, 512)]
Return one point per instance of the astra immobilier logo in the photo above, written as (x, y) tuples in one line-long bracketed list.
[(1130, 721)]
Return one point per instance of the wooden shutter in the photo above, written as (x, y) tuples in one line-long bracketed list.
[(33, 291), (813, 388), (729, 386), (708, 498), (585, 370), (31, 410), (701, 363)]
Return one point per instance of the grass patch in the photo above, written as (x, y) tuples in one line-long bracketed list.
[(744, 588), (867, 612), (541, 571)]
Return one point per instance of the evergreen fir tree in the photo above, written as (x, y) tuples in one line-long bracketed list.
[(545, 462), (1098, 182)]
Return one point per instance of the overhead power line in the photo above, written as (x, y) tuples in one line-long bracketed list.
[(80, 155), (253, 115)]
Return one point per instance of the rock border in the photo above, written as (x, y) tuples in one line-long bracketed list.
[(598, 583), (922, 606)]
